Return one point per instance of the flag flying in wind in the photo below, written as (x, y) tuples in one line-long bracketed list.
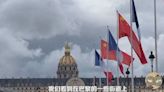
[(113, 46), (135, 19), (105, 54), (111, 55), (125, 30), (98, 59), (111, 42), (109, 76), (101, 63)]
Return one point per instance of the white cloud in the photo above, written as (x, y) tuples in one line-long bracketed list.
[(14, 53)]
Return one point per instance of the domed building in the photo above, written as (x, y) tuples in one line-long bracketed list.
[(67, 75), (67, 67)]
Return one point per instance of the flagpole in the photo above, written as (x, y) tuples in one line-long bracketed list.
[(100, 75), (100, 67), (155, 35), (132, 77), (100, 79), (107, 60), (118, 82)]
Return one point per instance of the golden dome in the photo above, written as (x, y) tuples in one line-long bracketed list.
[(67, 59), (67, 67)]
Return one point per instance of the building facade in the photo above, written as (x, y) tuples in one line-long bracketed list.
[(41, 84)]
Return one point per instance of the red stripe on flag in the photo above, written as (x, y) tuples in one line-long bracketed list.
[(109, 76), (112, 54), (124, 30)]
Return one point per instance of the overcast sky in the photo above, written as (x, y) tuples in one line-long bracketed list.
[(33, 34)]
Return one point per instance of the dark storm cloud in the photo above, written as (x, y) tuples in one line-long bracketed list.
[(43, 19), (86, 42), (91, 30), (35, 18)]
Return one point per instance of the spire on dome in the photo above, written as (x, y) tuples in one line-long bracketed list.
[(67, 49)]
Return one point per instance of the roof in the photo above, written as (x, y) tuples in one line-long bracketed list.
[(34, 82)]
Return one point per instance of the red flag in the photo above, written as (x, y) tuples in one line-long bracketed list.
[(106, 69), (126, 59), (125, 30), (109, 76), (104, 50), (121, 68)]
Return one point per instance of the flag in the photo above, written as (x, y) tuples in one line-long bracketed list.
[(101, 63), (97, 59), (113, 46), (111, 42), (105, 54), (125, 30), (111, 55), (135, 19), (107, 71), (109, 76)]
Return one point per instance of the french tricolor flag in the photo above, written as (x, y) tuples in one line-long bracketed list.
[(104, 66)]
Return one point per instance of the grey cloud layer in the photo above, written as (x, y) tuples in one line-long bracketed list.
[(36, 18)]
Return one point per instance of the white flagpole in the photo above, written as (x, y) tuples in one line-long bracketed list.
[(107, 60), (117, 53), (100, 81), (155, 35), (100, 75), (100, 66), (132, 77)]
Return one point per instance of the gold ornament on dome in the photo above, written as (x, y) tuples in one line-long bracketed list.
[(153, 80), (67, 48), (67, 59)]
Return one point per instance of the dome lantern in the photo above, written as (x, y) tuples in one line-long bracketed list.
[(67, 49)]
